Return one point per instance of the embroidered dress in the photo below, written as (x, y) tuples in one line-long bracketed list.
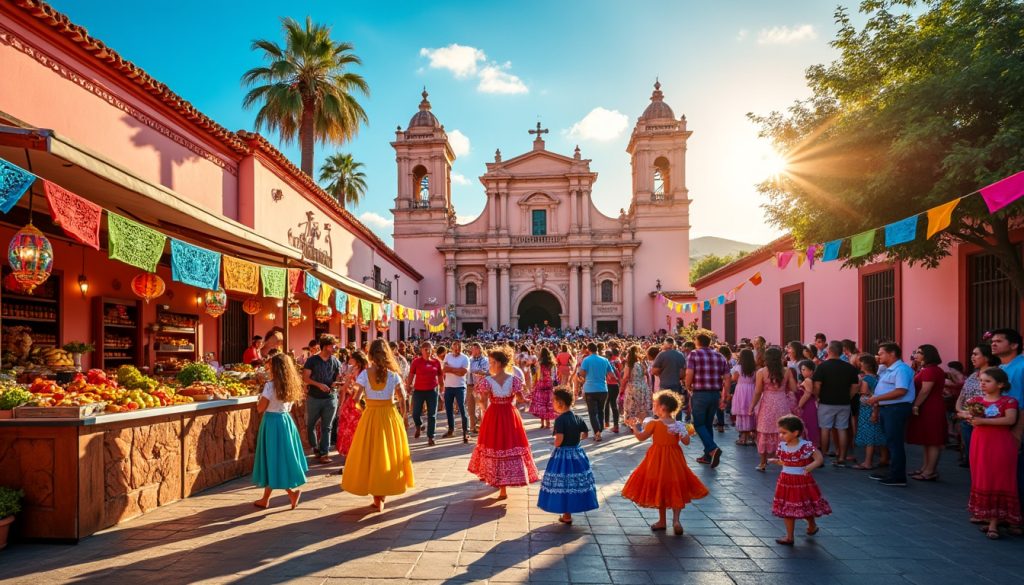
[(568, 484), (502, 455), (775, 403), (348, 420), (540, 400), (378, 462), (742, 398), (796, 493), (994, 466), (663, 479), (637, 401)]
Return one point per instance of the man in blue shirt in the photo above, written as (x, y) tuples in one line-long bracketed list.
[(894, 395), (1007, 346), (594, 370)]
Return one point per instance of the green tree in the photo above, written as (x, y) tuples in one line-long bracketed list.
[(305, 89), (710, 263), (343, 178), (923, 104)]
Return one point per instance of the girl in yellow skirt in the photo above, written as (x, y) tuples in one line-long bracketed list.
[(378, 462)]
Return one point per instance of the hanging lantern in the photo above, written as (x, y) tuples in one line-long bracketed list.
[(148, 286), (252, 305), (31, 257), (323, 313), (364, 327), (348, 320), (294, 314), (216, 302)]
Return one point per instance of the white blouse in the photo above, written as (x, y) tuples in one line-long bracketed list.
[(385, 393), (504, 390), (275, 404)]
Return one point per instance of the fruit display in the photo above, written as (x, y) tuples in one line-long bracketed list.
[(13, 395), (196, 372), (203, 390), (54, 358)]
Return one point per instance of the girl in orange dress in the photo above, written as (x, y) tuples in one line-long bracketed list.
[(663, 479)]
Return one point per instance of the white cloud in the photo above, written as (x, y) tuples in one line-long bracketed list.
[(461, 60), (459, 143), (784, 35), (497, 79), (740, 36), (376, 220), (458, 179), (600, 125)]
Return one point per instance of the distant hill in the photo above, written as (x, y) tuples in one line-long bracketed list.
[(707, 245)]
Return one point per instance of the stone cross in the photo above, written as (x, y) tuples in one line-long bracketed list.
[(539, 131)]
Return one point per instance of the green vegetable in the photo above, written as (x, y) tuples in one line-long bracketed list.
[(12, 395), (196, 372), (10, 501), (78, 347), (131, 378)]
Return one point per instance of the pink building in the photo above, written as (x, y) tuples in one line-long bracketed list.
[(950, 306)]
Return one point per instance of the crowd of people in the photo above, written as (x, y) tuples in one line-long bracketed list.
[(801, 406)]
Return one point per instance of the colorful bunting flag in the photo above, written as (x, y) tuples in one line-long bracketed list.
[(275, 282), (241, 275), (811, 251), (375, 311), (340, 301), (939, 217), (800, 259), (194, 266), (831, 250), (296, 283), (1002, 193), (78, 217), (707, 305), (901, 232), (365, 311), (862, 243), (353, 306), (756, 279), (721, 299), (325, 294), (782, 259), (14, 181), (133, 243), (312, 286)]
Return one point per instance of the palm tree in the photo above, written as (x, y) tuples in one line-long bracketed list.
[(344, 179), (305, 88)]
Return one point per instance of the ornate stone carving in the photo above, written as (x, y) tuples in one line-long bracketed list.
[(514, 289), (606, 309), (472, 312), (564, 288), (529, 272), (538, 278), (586, 265), (492, 266), (450, 267), (626, 263)]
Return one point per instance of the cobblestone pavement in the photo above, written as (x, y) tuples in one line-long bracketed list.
[(450, 529)]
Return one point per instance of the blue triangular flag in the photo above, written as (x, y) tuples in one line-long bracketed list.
[(721, 299), (901, 232), (340, 301), (312, 288), (707, 305), (14, 181), (831, 250)]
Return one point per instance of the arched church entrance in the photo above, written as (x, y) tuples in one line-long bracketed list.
[(538, 307)]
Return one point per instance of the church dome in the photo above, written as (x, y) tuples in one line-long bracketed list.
[(424, 118), (658, 109)]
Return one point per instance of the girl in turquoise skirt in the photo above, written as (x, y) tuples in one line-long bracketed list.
[(280, 460)]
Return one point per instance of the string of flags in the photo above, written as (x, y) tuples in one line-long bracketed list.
[(996, 196), (140, 246)]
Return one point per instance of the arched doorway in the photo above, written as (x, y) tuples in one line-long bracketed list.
[(537, 307)]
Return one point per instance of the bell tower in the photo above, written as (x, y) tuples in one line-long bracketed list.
[(660, 207), (424, 161)]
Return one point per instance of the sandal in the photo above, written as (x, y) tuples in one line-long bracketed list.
[(564, 520), (784, 541), (657, 528), (813, 532), (992, 534), (863, 467), (761, 468), (923, 477), (261, 504), (677, 528)]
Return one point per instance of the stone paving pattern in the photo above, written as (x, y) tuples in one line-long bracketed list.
[(451, 530)]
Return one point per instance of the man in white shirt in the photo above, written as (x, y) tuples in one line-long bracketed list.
[(894, 394), (478, 368), (456, 368)]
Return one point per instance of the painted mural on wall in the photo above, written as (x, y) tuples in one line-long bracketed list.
[(307, 240)]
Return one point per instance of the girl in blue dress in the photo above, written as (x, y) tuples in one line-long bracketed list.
[(568, 484), (280, 460)]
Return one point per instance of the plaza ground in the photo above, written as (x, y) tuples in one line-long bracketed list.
[(450, 530)]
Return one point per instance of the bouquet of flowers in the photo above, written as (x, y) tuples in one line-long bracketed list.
[(976, 409)]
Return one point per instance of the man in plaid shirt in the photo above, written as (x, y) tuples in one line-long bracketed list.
[(707, 381)]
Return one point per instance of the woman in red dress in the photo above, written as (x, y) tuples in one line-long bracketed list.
[(350, 413), (993, 454), (502, 455), (541, 404), (565, 366), (927, 425)]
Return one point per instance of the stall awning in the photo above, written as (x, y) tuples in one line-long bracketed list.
[(98, 179)]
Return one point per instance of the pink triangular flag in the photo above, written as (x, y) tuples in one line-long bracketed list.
[(1000, 194), (783, 258)]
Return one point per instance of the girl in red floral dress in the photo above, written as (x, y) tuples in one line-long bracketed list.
[(349, 413), (502, 455), (796, 493), (993, 454), (541, 405)]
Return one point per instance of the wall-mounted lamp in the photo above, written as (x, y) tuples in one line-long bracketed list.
[(658, 285), (199, 300), (271, 317), (276, 194), (83, 284)]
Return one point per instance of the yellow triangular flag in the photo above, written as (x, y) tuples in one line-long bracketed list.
[(800, 259), (939, 217)]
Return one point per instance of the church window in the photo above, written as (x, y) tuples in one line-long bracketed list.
[(606, 291), (421, 186), (425, 188), (471, 293), (661, 179), (540, 222)]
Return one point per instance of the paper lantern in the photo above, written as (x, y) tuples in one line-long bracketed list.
[(294, 314), (148, 286), (252, 305), (216, 302), (364, 327), (323, 313), (31, 257), (348, 320)]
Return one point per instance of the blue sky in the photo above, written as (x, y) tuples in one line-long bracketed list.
[(586, 69)]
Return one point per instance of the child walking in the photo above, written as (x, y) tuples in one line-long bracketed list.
[(280, 461), (568, 483), (663, 479), (796, 493)]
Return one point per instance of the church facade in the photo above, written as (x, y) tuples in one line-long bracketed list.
[(541, 252)]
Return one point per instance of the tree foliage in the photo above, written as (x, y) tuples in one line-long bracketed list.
[(925, 103), (305, 88), (344, 179), (710, 263)]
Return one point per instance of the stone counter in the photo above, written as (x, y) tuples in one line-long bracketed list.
[(84, 475)]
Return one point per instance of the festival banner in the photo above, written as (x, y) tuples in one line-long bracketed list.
[(241, 275), (296, 284), (312, 286), (901, 232), (78, 217), (811, 251), (862, 243), (1002, 193), (133, 243), (275, 282), (940, 217), (800, 259), (353, 306), (756, 279), (782, 259), (325, 294), (831, 250), (194, 266), (340, 302), (365, 311), (14, 181)]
